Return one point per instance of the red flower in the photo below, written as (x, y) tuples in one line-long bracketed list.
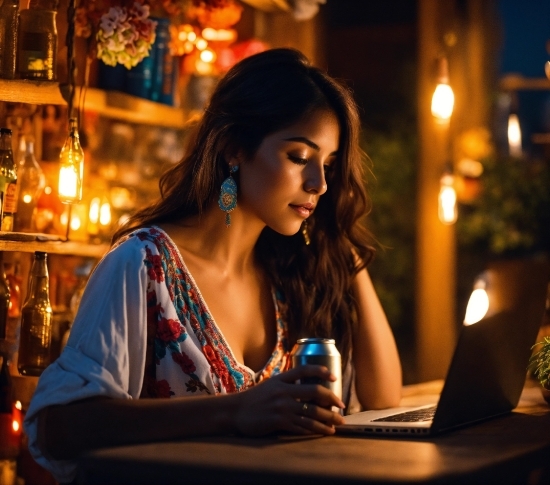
[(219, 367), (183, 360), (160, 389), (168, 329), (154, 271)]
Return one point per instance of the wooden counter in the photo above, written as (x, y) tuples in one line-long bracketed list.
[(508, 449)]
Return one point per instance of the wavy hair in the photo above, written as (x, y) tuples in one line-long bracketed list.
[(262, 94)]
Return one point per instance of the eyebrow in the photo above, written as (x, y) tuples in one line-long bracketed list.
[(308, 142)]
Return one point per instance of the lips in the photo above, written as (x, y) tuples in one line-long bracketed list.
[(304, 210)]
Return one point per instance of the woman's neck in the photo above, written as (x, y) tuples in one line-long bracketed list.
[(208, 238)]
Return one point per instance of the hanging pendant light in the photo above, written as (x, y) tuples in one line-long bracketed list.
[(443, 98), (71, 167), (447, 199)]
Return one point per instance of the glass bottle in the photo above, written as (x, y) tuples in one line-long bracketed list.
[(9, 22), (31, 181), (6, 388), (36, 321), (4, 300), (8, 176), (37, 43), (71, 168)]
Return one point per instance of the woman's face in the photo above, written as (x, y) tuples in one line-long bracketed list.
[(282, 183)]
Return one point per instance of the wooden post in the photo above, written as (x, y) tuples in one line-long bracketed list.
[(464, 32), (436, 259)]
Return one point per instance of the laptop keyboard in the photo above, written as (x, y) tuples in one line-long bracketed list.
[(411, 416)]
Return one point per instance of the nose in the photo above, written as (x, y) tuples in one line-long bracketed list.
[(315, 181)]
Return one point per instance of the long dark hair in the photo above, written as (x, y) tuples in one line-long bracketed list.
[(260, 95)]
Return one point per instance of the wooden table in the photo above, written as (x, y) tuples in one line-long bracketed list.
[(509, 449)]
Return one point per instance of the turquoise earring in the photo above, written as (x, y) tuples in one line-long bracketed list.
[(228, 195)]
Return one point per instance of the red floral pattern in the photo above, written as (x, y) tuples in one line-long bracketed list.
[(215, 370)]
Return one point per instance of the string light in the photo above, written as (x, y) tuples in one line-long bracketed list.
[(447, 199), (443, 98)]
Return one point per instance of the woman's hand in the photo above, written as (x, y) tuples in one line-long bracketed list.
[(279, 404)]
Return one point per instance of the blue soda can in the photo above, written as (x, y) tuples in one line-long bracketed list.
[(319, 351)]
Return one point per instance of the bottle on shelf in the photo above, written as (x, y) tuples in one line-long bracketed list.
[(8, 179), (31, 181), (10, 418), (12, 272), (37, 43), (9, 24), (36, 321), (4, 301)]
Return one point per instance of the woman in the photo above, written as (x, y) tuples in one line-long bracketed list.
[(257, 240)]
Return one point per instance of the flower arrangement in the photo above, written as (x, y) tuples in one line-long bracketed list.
[(122, 32)]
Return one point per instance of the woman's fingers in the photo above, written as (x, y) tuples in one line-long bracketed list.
[(318, 413), (316, 393), (308, 370)]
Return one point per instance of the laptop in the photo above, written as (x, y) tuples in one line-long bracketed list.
[(489, 365)]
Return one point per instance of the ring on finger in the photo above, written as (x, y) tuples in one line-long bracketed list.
[(304, 408)]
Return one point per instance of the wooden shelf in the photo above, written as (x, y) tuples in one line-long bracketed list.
[(29, 243), (30, 92), (111, 104), (114, 104), (516, 82)]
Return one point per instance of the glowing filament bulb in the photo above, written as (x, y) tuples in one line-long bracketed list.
[(447, 210), (71, 167), (514, 135), (443, 101), (105, 214), (478, 304), (94, 210)]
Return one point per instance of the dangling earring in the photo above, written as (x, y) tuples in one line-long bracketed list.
[(305, 233), (228, 195)]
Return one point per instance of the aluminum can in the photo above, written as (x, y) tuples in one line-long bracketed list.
[(319, 351)]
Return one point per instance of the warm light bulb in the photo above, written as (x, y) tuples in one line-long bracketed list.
[(443, 101), (105, 214), (94, 210), (15, 425), (71, 167), (514, 135), (27, 198), (75, 223), (201, 44), (447, 209), (478, 304), (208, 55)]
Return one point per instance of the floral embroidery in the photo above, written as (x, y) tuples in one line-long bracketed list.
[(165, 334), (159, 388), (154, 266), (168, 329), (183, 360), (193, 386)]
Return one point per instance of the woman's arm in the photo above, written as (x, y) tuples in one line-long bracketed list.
[(375, 357), (275, 405)]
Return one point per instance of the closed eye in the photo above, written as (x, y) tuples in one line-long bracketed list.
[(297, 160)]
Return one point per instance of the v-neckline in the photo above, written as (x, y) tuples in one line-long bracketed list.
[(215, 328)]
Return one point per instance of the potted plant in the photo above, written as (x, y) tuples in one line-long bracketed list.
[(539, 365)]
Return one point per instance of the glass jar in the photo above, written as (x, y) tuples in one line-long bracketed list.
[(37, 44)]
